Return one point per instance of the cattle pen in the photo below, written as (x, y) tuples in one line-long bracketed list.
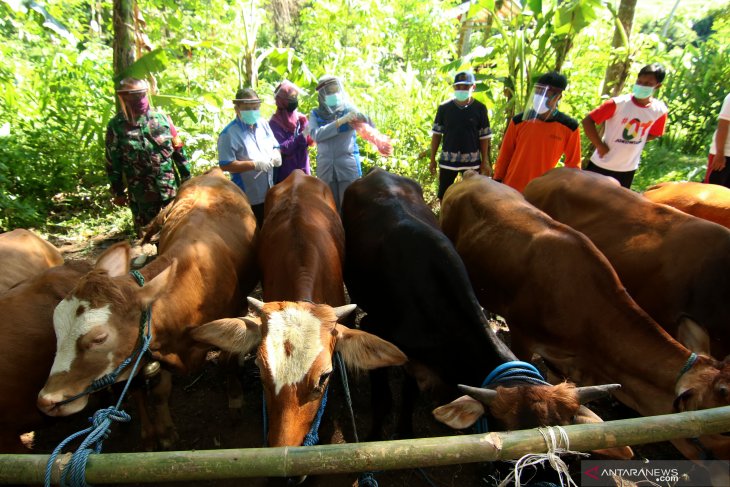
[(116, 468)]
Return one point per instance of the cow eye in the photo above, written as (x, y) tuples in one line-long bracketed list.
[(98, 340), (323, 380)]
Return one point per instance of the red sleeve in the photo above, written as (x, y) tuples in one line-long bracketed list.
[(657, 129), (604, 112), (505, 152)]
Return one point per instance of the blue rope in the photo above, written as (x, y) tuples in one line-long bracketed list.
[(102, 419), (312, 437), (509, 371)]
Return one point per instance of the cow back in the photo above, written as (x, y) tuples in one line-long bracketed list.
[(403, 271), (708, 201), (672, 263), (23, 254), (302, 243)]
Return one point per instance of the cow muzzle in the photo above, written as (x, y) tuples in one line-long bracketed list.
[(51, 404)]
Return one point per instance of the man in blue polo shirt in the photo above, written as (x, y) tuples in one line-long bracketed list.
[(248, 150), (463, 124)]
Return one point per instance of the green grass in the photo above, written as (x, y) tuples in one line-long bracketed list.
[(659, 164)]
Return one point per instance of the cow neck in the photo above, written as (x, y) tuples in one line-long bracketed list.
[(645, 360)]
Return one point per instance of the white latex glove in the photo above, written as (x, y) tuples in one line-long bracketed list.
[(347, 118), (263, 166), (276, 159)]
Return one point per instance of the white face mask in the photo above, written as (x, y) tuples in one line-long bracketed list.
[(539, 104)]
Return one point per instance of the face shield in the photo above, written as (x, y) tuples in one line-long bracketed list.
[(286, 96), (331, 96), (248, 110), (132, 96), (542, 102)]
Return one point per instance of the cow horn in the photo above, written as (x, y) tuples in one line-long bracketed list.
[(258, 306), (485, 396), (590, 393), (342, 311)]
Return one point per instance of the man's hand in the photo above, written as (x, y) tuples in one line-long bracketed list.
[(432, 167), (120, 200), (718, 162), (347, 118), (263, 166), (487, 170), (602, 149)]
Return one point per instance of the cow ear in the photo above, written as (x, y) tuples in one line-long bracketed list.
[(115, 260), (363, 350), (158, 285), (460, 413), (693, 336), (237, 335), (586, 416)]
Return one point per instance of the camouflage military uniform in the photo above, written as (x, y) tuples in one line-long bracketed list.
[(143, 154)]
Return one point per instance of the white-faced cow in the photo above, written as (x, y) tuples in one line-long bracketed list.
[(27, 347), (708, 201), (24, 254), (301, 248), (407, 276), (205, 264), (563, 301), (675, 266)]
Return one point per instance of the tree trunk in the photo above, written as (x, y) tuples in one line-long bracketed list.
[(618, 70), (123, 35)]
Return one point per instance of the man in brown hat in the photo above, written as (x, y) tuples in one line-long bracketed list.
[(143, 148), (249, 151)]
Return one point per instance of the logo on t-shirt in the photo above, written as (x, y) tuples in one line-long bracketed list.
[(634, 131)]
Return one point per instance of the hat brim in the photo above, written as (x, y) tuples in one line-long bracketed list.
[(136, 90), (246, 100), (468, 83)]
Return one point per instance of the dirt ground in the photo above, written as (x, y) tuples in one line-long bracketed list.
[(204, 421)]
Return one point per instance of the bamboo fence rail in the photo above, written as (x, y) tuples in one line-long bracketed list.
[(115, 468)]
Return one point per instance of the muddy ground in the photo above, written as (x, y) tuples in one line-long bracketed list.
[(200, 410)]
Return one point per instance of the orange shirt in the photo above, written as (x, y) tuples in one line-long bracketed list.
[(531, 148)]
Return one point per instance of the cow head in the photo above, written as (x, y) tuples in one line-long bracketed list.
[(706, 384), (528, 406), (97, 328), (296, 341)]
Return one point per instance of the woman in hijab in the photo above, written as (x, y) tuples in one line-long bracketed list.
[(332, 128), (288, 126)]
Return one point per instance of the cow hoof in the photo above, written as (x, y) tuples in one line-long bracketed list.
[(168, 440)]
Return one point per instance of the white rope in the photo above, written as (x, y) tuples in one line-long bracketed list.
[(532, 460)]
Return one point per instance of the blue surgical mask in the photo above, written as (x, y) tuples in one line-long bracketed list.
[(250, 117), (642, 92), (462, 95), (333, 100)]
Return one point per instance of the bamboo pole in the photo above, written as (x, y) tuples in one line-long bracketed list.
[(115, 468)]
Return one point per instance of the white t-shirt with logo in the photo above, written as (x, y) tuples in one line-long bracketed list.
[(724, 115), (627, 128)]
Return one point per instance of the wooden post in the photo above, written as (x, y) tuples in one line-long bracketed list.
[(114, 468)]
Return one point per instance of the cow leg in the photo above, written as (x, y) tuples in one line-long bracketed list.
[(381, 402), (164, 426), (147, 433), (229, 363)]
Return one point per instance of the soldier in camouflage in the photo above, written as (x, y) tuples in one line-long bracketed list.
[(143, 149)]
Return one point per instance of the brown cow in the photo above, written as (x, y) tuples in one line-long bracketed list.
[(708, 201), (27, 347), (676, 266), (301, 256), (205, 264), (562, 300), (24, 254)]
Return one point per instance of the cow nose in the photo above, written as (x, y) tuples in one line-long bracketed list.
[(46, 402), (292, 481)]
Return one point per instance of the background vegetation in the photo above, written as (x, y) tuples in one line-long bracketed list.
[(396, 57)]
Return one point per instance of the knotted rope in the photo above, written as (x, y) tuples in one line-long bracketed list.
[(557, 444), (74, 473)]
